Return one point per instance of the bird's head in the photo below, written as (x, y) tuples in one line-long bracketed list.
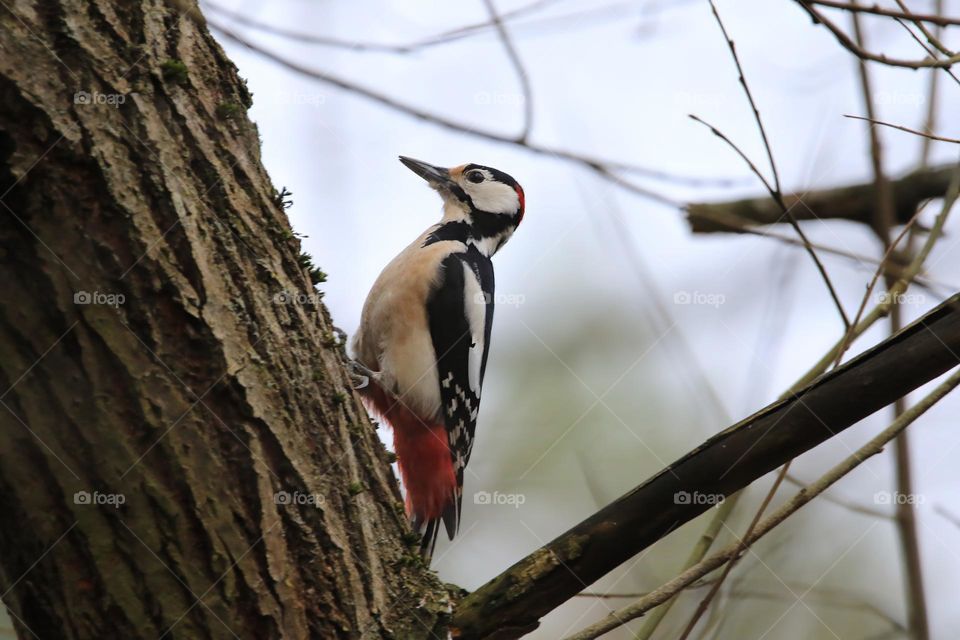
[(485, 195)]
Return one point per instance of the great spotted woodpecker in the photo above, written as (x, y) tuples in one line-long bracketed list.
[(421, 349)]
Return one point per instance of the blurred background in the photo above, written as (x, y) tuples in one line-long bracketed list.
[(622, 340)]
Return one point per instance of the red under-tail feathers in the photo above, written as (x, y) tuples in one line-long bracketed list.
[(423, 457)]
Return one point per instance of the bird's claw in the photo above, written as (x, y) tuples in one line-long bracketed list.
[(359, 375)]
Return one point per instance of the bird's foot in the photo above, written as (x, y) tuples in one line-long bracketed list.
[(360, 375)]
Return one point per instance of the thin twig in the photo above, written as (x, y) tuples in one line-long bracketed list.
[(775, 192), (446, 37), (930, 123), (930, 52), (786, 212), (840, 502), (915, 266), (890, 268), (825, 597), (521, 72), (880, 11), (661, 320), (847, 43), (903, 128), (702, 607), (932, 39), (884, 217), (607, 168)]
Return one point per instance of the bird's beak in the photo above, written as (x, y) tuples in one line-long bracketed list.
[(437, 177)]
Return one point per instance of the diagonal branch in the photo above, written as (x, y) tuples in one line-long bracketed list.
[(903, 128), (824, 482), (512, 603), (611, 170)]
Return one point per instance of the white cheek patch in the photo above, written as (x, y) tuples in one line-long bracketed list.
[(494, 197)]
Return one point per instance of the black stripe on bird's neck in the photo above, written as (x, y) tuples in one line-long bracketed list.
[(482, 225)]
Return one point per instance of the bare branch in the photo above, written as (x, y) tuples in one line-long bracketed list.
[(521, 72), (705, 602), (840, 502), (785, 212), (880, 11), (775, 192), (852, 202), (452, 35), (903, 128), (609, 169), (847, 43)]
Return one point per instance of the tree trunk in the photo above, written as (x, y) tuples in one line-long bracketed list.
[(181, 455)]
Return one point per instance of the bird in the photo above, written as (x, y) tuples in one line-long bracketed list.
[(420, 353)]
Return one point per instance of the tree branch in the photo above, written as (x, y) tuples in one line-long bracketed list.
[(512, 603), (824, 482), (611, 170), (853, 202), (518, 67), (942, 21), (847, 43), (903, 128)]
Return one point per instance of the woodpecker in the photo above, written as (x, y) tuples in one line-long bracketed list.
[(420, 353)]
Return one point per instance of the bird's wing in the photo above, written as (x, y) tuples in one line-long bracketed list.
[(461, 316)]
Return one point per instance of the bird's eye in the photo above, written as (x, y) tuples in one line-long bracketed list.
[(475, 176)]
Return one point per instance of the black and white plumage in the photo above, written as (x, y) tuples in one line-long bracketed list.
[(425, 336), (461, 319)]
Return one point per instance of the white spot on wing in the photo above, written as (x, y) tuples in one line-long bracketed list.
[(475, 308)]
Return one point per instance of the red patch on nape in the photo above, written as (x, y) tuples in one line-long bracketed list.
[(519, 191), (423, 456)]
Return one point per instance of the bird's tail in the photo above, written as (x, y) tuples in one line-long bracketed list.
[(429, 529), (426, 468)]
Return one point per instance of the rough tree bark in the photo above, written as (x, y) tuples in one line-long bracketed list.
[(128, 167)]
